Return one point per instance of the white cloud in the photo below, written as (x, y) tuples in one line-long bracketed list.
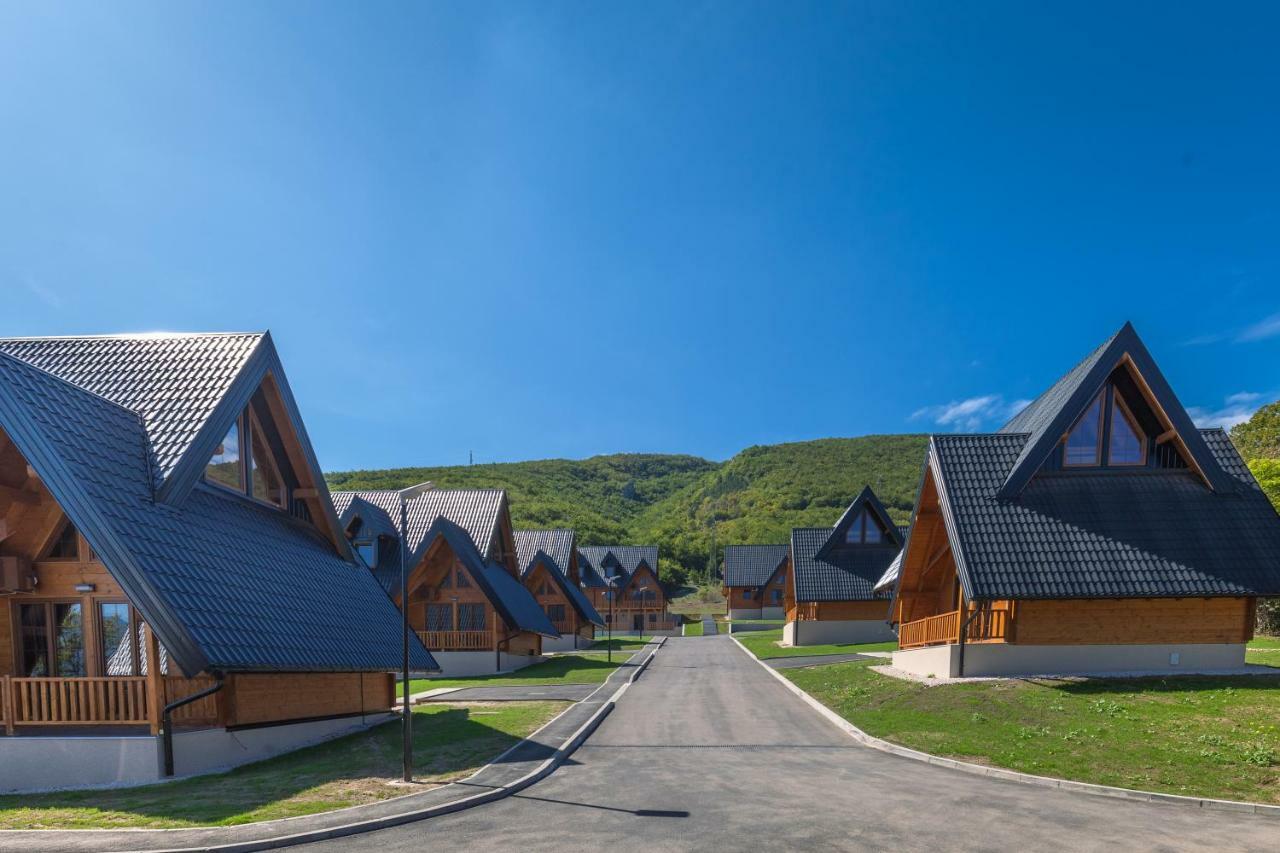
[(972, 414), (1261, 330), (1236, 409)]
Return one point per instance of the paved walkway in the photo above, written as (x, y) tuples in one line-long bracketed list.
[(814, 660), (709, 628), (518, 693), (707, 751)]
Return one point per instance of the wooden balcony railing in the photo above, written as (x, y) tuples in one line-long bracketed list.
[(102, 701), (929, 631), (986, 624), (456, 641), (563, 626)]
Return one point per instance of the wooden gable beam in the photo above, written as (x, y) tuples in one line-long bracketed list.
[(1170, 433), (19, 496)]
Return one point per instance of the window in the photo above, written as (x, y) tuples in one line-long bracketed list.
[(52, 640), (368, 551), (439, 617), (1128, 444), (67, 545), (777, 596), (1084, 442), (244, 463), (470, 617), (224, 466), (142, 652), (447, 581), (653, 618), (865, 530), (118, 639), (555, 612), (463, 581), (748, 594)]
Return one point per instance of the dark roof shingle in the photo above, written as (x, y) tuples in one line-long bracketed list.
[(752, 565)]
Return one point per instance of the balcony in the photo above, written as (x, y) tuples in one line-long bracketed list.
[(108, 701), (456, 641), (988, 624)]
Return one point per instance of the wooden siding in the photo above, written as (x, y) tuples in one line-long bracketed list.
[(837, 611), (1134, 620), (780, 580), (254, 699)]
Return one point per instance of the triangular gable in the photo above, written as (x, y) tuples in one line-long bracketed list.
[(866, 501), (1052, 414), (262, 370)]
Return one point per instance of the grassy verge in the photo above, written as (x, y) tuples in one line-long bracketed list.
[(1196, 736), (764, 645), (693, 629), (449, 741), (562, 669), (620, 643)]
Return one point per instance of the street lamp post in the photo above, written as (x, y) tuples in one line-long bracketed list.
[(612, 601), (407, 721)]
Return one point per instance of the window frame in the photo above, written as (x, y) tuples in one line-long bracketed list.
[(1101, 400), (53, 541), (135, 635), (51, 635), (1117, 400), (247, 425)]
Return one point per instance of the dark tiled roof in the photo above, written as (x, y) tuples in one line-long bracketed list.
[(228, 584), (595, 566), (555, 549), (173, 381), (376, 521), (1107, 532), (752, 565), (841, 574), (477, 511)]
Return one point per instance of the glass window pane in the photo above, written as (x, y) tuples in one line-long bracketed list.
[(463, 580), (117, 639), (224, 466), (1084, 438), (67, 545), (873, 533), (470, 617), (439, 617), (1126, 443), (854, 535), (264, 474), (35, 639), (142, 652), (368, 552), (68, 641)]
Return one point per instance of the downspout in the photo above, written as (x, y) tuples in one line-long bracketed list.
[(167, 734), (964, 632)]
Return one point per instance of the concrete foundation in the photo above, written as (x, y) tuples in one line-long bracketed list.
[(773, 613), (820, 632), (746, 613), (566, 643), (30, 764), (1012, 659), (457, 664)]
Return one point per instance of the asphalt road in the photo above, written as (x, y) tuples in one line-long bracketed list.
[(707, 752)]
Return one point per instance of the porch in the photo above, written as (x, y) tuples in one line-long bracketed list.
[(457, 641), (989, 623), (89, 705)]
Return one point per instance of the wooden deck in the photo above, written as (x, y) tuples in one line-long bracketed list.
[(106, 701), (988, 624)]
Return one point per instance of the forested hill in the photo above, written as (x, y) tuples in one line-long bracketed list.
[(671, 501)]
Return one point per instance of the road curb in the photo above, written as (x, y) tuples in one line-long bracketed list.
[(1011, 775), (545, 769)]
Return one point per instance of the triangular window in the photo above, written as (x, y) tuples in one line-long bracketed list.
[(245, 462), (1084, 442), (66, 546), (865, 530), (1128, 444)]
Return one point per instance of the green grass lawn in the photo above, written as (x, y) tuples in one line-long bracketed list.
[(580, 668), (449, 742), (764, 645), (1197, 736), (620, 642), (693, 629)]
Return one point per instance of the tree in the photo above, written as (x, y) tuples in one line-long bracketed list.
[(1259, 437)]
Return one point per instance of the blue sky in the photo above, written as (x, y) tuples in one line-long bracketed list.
[(560, 229)]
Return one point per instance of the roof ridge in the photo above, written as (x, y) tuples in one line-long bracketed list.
[(135, 336)]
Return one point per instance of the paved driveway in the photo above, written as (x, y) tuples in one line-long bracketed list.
[(707, 752)]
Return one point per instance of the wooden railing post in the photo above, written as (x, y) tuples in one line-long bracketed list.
[(8, 704), (155, 683)]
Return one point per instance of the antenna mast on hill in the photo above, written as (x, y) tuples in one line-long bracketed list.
[(471, 457)]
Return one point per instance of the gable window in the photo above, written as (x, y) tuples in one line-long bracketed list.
[(243, 462), (1108, 430), (67, 544), (865, 530), (470, 617), (1128, 444), (463, 580), (368, 551), (555, 612), (1084, 442)]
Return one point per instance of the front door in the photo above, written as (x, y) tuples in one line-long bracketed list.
[(637, 622)]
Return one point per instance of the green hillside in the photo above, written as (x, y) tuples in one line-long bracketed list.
[(754, 498)]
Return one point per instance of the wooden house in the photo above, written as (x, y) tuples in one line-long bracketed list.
[(1098, 531), (755, 580), (166, 535), (466, 600), (548, 562), (831, 597), (621, 582)]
